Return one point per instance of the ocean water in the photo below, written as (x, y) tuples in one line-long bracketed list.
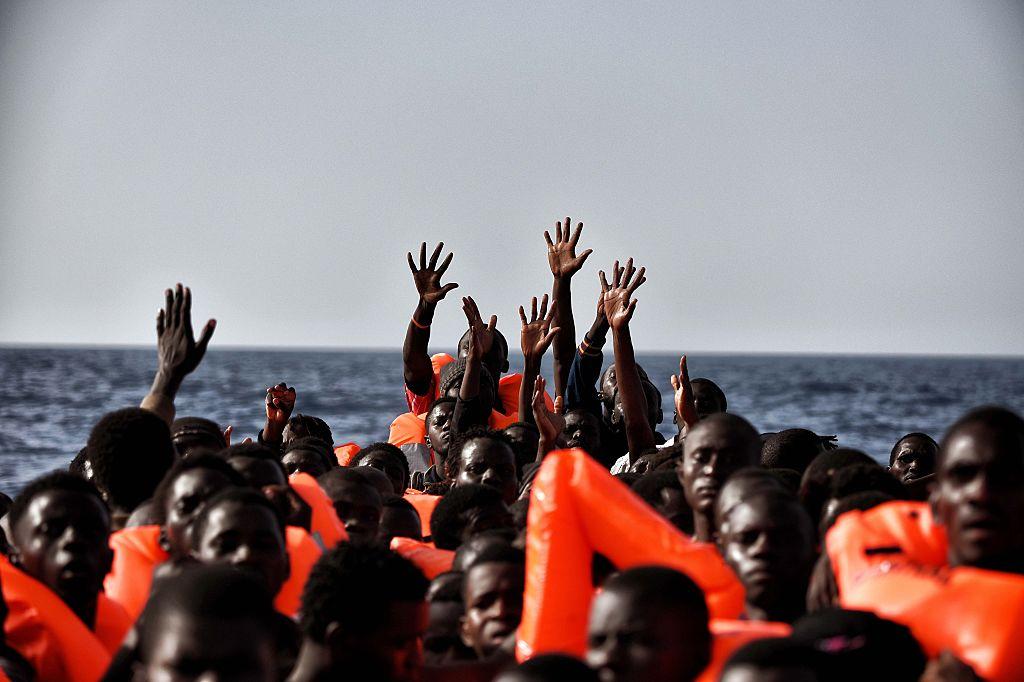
[(54, 395)]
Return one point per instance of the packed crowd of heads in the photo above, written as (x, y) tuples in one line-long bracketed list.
[(171, 549)]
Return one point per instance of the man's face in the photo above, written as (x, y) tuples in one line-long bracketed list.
[(188, 492), (582, 430), (391, 653), (359, 509), (244, 536), (979, 497), (61, 541), (768, 543), (304, 461), (439, 427), (492, 463), (390, 468), (629, 641), (915, 458), (711, 453), (493, 596), (199, 648)]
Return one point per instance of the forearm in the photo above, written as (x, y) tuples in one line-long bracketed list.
[(639, 435), (415, 360), (530, 372), (160, 399), (470, 387), (565, 340)]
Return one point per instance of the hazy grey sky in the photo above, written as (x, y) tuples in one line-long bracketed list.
[(814, 176)]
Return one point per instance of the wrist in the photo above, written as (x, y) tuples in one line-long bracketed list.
[(165, 383), (532, 365), (424, 313)]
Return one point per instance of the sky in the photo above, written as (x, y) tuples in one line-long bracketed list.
[(796, 176)]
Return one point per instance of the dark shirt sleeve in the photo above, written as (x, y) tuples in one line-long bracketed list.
[(467, 414), (584, 373)]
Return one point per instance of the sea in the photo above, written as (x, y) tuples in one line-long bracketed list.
[(55, 395)]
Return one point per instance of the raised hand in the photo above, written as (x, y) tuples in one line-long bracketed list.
[(482, 338), (178, 352), (617, 296), (562, 258), (686, 411), (549, 424), (428, 276), (280, 403), (537, 332)]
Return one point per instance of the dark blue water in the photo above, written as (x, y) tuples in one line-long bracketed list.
[(53, 396)]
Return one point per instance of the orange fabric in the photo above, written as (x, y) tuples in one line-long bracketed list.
[(137, 552), (730, 635), (325, 525), (46, 633), (429, 559), (891, 560), (424, 505), (346, 453), (112, 623), (303, 552), (577, 508), (408, 428)]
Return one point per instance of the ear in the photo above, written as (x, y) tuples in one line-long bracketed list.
[(162, 540)]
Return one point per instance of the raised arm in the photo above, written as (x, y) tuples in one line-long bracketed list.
[(415, 360), (178, 352), (535, 337), (686, 411), (550, 425), (564, 263), (618, 307), (468, 408), (279, 405)]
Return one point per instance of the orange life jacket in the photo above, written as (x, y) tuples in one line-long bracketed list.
[(137, 552), (346, 453), (112, 623), (892, 560), (577, 508), (429, 559), (412, 428), (424, 505), (303, 552), (730, 635), (46, 633), (325, 526)]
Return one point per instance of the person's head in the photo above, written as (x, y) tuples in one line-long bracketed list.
[(523, 438), (366, 607), (496, 360), (239, 527), (648, 624), (399, 519), (791, 449), (486, 457), (979, 491), (185, 488), (913, 457), (859, 478), (130, 451), (817, 478), (549, 668), (305, 426), (357, 502), (259, 465), (492, 594), (612, 401), (862, 501), (857, 645), (389, 459), (716, 447), (708, 397), (768, 540), (479, 544), (466, 511), (772, 660), (439, 426), (451, 383), (307, 455), (442, 640), (662, 490), (583, 430), (60, 528), (192, 435), (207, 622)]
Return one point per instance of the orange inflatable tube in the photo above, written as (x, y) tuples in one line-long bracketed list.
[(346, 453), (303, 552), (577, 508), (424, 505), (977, 614), (137, 552), (46, 633), (429, 559), (326, 528)]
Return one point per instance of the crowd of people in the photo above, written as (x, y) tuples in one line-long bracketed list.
[(508, 530)]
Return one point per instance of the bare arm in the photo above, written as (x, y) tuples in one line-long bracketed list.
[(279, 405), (480, 342), (564, 263), (549, 424), (415, 360), (178, 352), (537, 334), (618, 307), (686, 411)]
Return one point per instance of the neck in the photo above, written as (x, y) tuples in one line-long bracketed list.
[(786, 610), (313, 664), (703, 527), (85, 609)]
